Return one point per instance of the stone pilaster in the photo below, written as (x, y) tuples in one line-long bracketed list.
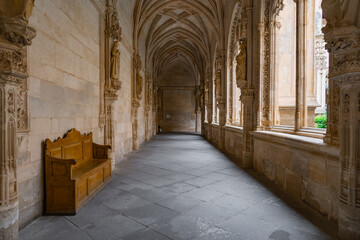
[(209, 103), (15, 35), (342, 34), (112, 73), (220, 93), (148, 103)]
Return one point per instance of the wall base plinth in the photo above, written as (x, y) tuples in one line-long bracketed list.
[(9, 224)]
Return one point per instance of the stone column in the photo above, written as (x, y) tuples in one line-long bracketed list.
[(220, 94), (247, 98), (210, 103), (155, 110), (342, 34), (15, 35), (148, 108), (245, 83), (301, 106)]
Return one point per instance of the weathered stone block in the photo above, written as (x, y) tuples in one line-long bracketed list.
[(280, 176), (65, 59), (300, 163), (51, 91), (268, 169), (317, 196), (41, 125), (317, 169), (41, 108), (293, 184), (284, 158)]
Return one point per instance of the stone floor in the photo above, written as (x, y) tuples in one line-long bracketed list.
[(178, 186)]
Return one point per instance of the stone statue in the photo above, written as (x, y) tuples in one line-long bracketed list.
[(115, 66), (139, 85), (218, 77), (241, 65), (115, 61)]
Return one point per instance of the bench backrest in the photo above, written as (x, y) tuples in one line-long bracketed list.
[(72, 146)]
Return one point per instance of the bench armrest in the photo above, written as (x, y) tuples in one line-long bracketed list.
[(100, 151), (55, 167)]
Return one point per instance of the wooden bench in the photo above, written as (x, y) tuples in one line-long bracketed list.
[(75, 170)]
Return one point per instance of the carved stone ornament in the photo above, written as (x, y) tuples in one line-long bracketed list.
[(113, 27), (266, 66), (218, 67), (149, 96), (139, 85), (247, 94), (16, 31), (12, 62), (110, 94)]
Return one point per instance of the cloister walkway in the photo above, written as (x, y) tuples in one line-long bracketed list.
[(178, 186)]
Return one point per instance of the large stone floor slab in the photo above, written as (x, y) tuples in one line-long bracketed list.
[(178, 186)]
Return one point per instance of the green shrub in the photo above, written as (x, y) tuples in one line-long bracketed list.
[(320, 121)]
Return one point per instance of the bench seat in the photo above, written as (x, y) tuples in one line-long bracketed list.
[(79, 171), (75, 170)]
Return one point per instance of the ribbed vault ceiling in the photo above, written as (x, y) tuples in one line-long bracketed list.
[(173, 32)]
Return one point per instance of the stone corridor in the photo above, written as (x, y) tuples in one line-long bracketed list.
[(178, 186)]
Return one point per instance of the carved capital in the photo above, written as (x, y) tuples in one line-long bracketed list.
[(110, 94), (247, 94)]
